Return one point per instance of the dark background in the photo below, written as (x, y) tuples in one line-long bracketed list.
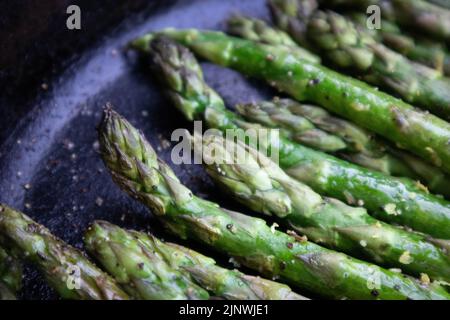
[(54, 83)]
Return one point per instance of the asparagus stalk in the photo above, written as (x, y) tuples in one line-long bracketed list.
[(103, 238), (135, 263), (427, 17), (66, 269), (360, 146), (421, 133), (412, 205), (135, 168), (416, 48), (260, 31), (359, 53), (291, 16), (260, 184), (416, 15), (10, 276)]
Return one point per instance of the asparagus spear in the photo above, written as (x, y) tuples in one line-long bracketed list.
[(65, 268), (135, 168), (103, 238), (291, 16), (260, 31), (260, 184), (427, 17), (416, 48), (137, 266), (413, 14), (422, 133), (361, 147), (357, 51), (10, 276), (413, 207)]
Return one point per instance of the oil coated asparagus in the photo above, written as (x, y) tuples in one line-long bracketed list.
[(429, 18), (260, 31), (357, 52), (65, 268), (399, 201), (308, 124), (137, 266), (260, 184), (417, 48), (419, 132), (136, 168), (10, 276), (223, 283)]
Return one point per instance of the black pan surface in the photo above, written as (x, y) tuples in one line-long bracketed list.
[(49, 164)]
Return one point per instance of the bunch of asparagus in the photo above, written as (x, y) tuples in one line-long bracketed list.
[(391, 200), (136, 168), (429, 16), (358, 52), (151, 269), (142, 265), (390, 240), (65, 268)]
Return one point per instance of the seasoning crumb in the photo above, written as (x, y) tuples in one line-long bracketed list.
[(396, 270), (27, 205), (96, 145), (424, 279), (27, 186), (270, 57), (144, 113), (273, 227), (363, 243), (44, 86), (69, 145), (405, 258), (390, 208), (99, 201)]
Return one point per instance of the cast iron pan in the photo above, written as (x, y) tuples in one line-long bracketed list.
[(49, 164)]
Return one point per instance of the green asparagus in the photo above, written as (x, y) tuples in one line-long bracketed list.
[(416, 15), (136, 168), (414, 207), (138, 268), (357, 51), (423, 16), (261, 185), (65, 268), (416, 48), (260, 31), (420, 132), (10, 276), (291, 16), (228, 284), (308, 124)]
